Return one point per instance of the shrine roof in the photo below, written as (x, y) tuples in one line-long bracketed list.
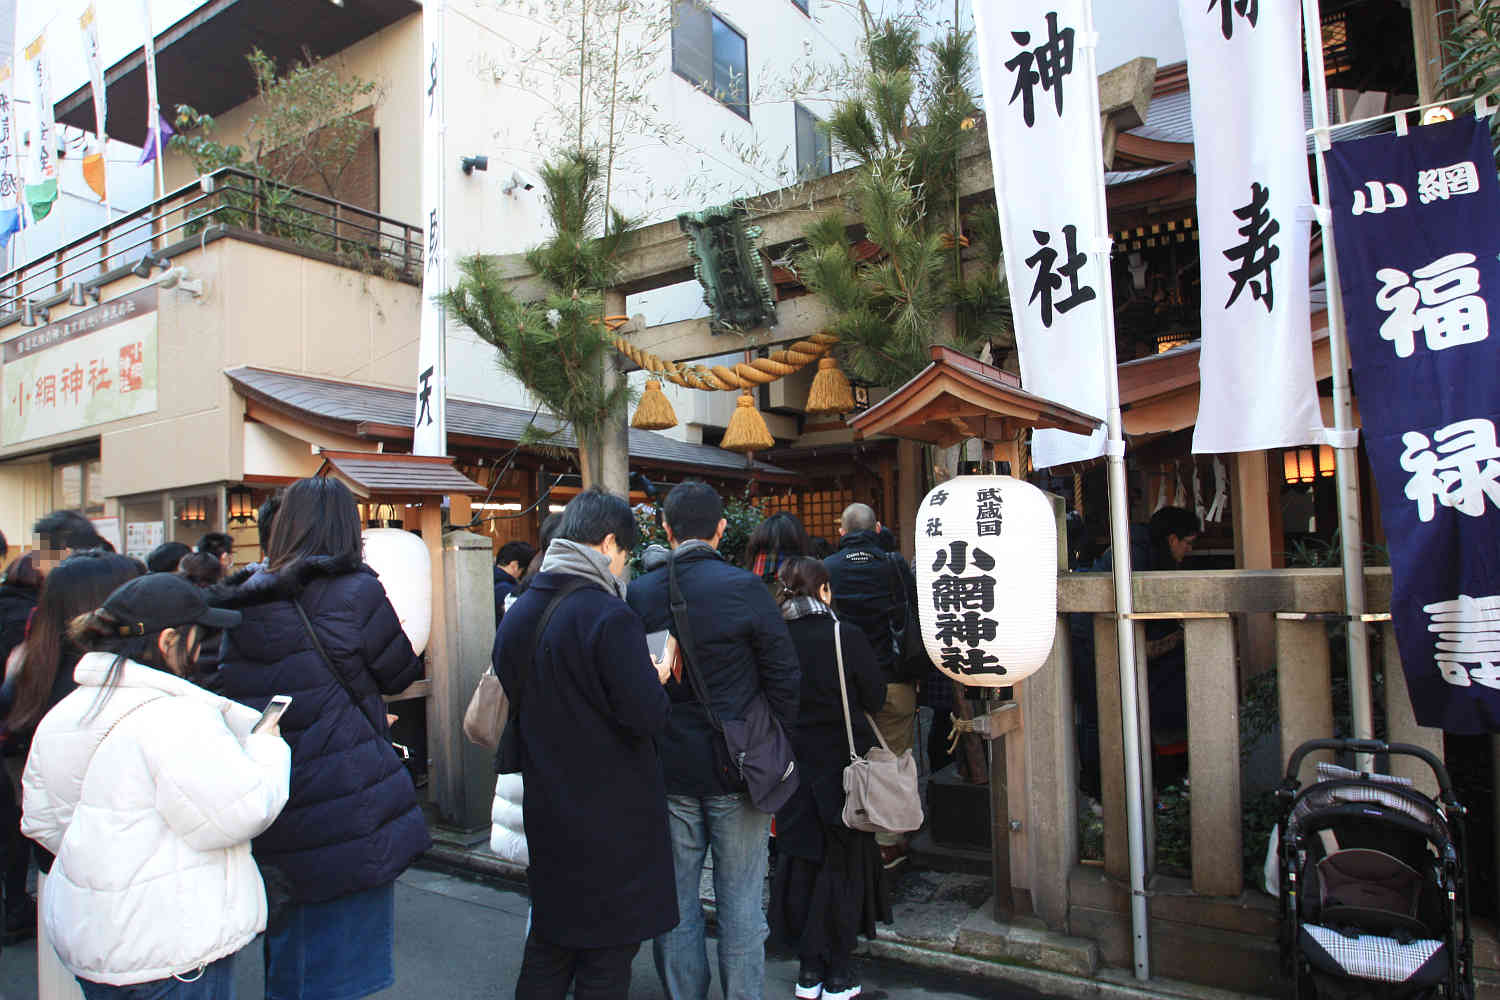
[(380, 412)]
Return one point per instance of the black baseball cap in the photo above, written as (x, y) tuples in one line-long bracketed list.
[(148, 604)]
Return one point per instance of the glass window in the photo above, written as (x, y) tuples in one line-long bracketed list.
[(712, 55), (801, 5), (814, 154)]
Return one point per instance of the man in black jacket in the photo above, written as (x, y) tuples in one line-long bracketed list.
[(742, 650), (510, 565), (872, 589)]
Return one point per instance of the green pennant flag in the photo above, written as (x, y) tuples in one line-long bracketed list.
[(41, 198)]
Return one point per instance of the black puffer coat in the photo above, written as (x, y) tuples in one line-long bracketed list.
[(352, 822)]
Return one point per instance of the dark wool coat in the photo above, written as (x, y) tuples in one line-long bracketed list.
[(819, 737), (352, 822), (595, 807), (743, 648)]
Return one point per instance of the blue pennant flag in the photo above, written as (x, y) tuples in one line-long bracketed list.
[(1418, 224), (10, 224)]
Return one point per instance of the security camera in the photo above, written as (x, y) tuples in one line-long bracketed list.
[(519, 180)]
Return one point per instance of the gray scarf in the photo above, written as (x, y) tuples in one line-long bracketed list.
[(564, 556), (793, 608)]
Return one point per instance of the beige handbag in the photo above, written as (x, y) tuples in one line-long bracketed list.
[(488, 711), (880, 788)]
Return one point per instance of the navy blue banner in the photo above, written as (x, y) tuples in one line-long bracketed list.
[(1417, 219)]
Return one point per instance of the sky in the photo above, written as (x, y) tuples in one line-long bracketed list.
[(1131, 28)]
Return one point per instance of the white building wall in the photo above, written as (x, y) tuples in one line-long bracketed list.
[(488, 113)]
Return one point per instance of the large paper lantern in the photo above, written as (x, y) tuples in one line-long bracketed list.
[(987, 579), (404, 566)]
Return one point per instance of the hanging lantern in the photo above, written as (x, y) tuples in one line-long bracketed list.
[(654, 412), (747, 429), (987, 579), (241, 505), (830, 392), (404, 566)]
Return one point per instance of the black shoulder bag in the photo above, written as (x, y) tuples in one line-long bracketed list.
[(756, 746), (508, 754), (911, 662), (380, 733)]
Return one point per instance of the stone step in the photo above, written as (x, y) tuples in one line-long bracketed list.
[(1025, 940)]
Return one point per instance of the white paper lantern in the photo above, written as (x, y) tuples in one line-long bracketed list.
[(987, 578), (404, 566)]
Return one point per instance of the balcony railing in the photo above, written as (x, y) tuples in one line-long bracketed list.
[(226, 201)]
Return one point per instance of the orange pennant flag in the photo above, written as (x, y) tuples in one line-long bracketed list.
[(93, 173)]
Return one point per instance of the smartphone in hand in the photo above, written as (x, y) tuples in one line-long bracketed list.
[(273, 713)]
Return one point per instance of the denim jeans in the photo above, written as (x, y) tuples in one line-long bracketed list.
[(737, 832), (215, 982)]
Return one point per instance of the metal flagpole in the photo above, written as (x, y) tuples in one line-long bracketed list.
[(1345, 437), (1119, 530), (153, 113)]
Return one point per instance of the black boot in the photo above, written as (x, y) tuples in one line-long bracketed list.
[(20, 919)]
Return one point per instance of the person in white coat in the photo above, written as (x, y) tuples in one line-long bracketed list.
[(148, 789)]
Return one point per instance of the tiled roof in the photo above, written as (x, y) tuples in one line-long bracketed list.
[(1170, 119), (355, 407), (407, 475)]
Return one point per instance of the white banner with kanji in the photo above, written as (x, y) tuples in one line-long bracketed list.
[(1042, 112), (1257, 387), (429, 423), (43, 125)]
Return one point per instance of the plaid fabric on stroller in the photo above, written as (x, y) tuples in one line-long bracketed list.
[(1374, 894)]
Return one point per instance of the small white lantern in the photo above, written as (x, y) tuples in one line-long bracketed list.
[(404, 566), (987, 579)]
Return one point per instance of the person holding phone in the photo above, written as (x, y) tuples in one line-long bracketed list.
[(149, 789)]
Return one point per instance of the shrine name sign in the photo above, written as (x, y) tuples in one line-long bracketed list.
[(93, 367)]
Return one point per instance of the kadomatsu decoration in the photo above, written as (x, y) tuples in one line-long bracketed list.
[(987, 579)]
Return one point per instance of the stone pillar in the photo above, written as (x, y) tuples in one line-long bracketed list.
[(1051, 804), (462, 775)]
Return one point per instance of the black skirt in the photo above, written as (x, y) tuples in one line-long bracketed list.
[(821, 907)]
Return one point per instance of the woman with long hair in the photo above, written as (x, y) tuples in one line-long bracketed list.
[(77, 585), (775, 540), (828, 888), (148, 790), (318, 625)]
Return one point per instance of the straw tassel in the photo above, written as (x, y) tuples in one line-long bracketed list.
[(830, 392), (654, 412), (747, 430)]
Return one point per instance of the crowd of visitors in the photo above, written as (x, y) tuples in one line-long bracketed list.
[(207, 759)]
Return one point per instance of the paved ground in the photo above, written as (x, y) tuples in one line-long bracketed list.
[(458, 939)]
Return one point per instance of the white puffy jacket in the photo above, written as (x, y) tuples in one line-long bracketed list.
[(507, 826), (150, 803)]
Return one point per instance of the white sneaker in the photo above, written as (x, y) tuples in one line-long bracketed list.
[(846, 993), (813, 992)]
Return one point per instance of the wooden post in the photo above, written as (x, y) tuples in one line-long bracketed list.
[(1000, 830), (1254, 548), (909, 468)]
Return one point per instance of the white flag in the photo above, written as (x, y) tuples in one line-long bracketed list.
[(10, 131), (1245, 69), (430, 431), (44, 127), (1042, 110), (88, 25)]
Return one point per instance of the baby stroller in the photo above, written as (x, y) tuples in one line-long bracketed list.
[(1374, 900)]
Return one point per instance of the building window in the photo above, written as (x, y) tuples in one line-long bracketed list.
[(711, 55), (814, 155), (802, 5)]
